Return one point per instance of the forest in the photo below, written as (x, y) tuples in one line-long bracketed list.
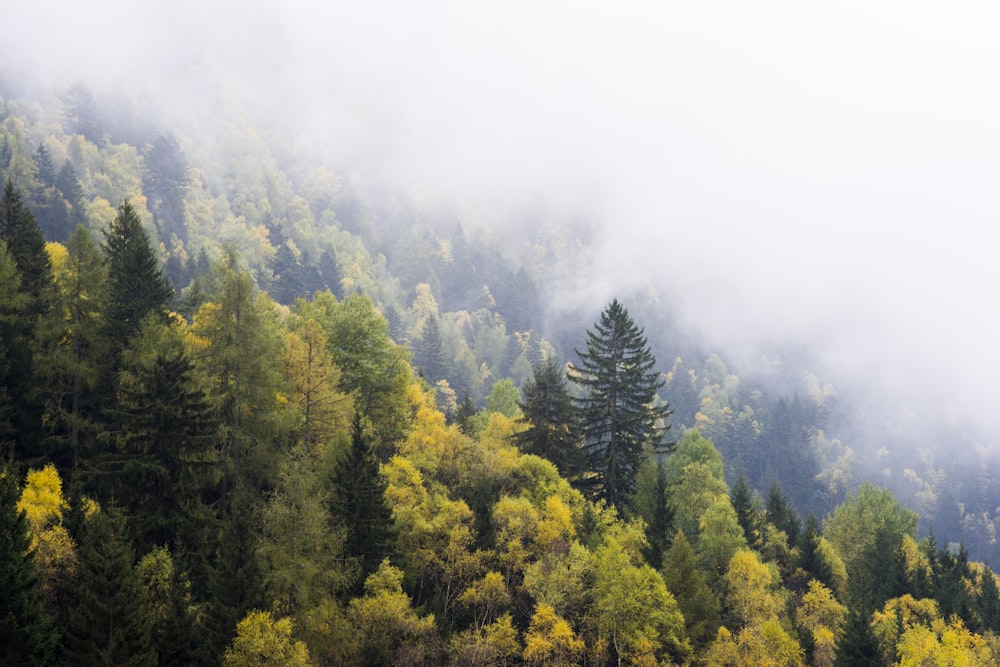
[(256, 411)]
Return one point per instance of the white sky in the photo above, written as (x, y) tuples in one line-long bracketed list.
[(823, 171)]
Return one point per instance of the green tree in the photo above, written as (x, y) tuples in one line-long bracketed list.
[(72, 369), (12, 304), (26, 245), (110, 621), (165, 462), (857, 645), (689, 585), (136, 284), (618, 414), (27, 630), (743, 504), (550, 421), (360, 505)]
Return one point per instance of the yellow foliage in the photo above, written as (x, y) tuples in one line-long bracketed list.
[(942, 645), (749, 593), (42, 499), (550, 640), (260, 640), (57, 256)]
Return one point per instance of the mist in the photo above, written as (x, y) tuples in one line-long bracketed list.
[(784, 172)]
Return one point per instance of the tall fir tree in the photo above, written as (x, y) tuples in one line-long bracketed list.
[(26, 245), (550, 421), (857, 645), (618, 413), (137, 286), (28, 635), (110, 621), (358, 503)]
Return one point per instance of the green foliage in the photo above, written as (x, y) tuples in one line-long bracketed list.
[(688, 582), (29, 636), (550, 421), (110, 620), (359, 505), (618, 414), (136, 284)]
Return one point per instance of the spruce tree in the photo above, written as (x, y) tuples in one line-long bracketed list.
[(548, 415), (810, 558), (857, 645), (109, 620), (136, 283), (27, 633), (358, 503), (618, 416), (742, 501)]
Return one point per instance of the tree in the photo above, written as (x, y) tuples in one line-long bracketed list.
[(165, 180), (359, 502), (549, 419), (12, 304), (27, 631), (743, 505), (165, 459), (550, 640), (689, 585), (109, 620), (26, 245), (73, 368), (261, 640), (618, 415), (856, 644), (136, 284)]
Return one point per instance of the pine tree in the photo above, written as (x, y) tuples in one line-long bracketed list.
[(136, 283), (618, 415), (358, 502), (165, 442), (781, 514), (857, 645), (109, 621), (430, 355), (810, 558), (742, 501), (28, 637), (549, 417), (26, 246), (689, 585)]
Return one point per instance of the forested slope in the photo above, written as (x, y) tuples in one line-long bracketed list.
[(255, 407)]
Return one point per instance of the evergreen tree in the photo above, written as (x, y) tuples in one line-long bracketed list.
[(689, 585), (358, 502), (652, 504), (857, 645), (742, 501), (781, 514), (810, 558), (165, 455), (136, 283), (72, 192), (430, 355), (236, 585), (12, 304), (618, 416), (165, 180), (109, 620), (28, 637), (988, 602), (26, 246), (549, 418)]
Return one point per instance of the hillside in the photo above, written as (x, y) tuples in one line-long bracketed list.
[(333, 377)]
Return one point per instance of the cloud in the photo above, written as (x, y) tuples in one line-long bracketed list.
[(789, 171)]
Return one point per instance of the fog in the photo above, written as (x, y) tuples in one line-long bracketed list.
[(785, 171)]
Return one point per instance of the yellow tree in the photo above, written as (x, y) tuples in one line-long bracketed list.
[(823, 616), (261, 640), (313, 380), (55, 551), (550, 640)]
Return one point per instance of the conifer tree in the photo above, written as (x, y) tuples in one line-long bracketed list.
[(618, 414), (857, 645), (743, 506), (28, 637), (136, 283), (359, 504), (689, 585), (109, 621), (26, 245), (550, 421), (810, 558)]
